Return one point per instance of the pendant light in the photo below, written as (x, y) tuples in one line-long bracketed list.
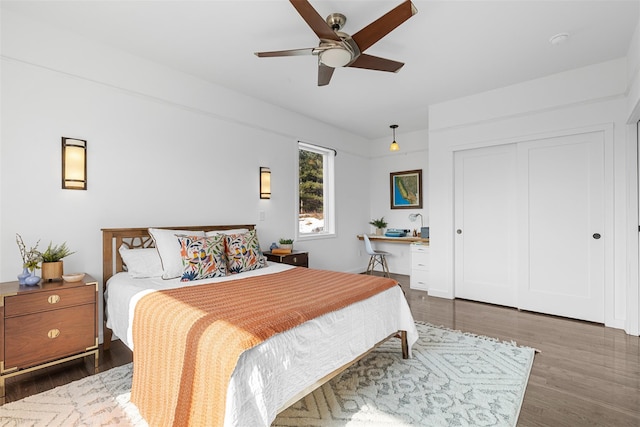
[(394, 145)]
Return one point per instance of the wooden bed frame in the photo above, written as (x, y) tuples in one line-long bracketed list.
[(135, 238)]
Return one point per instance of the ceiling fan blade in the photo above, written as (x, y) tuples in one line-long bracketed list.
[(324, 74), (291, 52), (371, 62), (382, 26), (314, 20)]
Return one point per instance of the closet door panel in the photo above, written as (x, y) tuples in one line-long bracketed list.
[(485, 222), (561, 213)]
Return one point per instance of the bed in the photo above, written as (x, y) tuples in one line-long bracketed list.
[(274, 373)]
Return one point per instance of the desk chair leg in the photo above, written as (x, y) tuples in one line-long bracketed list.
[(371, 265), (385, 267), (382, 261)]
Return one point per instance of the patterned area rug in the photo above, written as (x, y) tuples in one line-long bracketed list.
[(454, 379)]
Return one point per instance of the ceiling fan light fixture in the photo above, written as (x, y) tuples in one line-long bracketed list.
[(394, 145), (335, 57), (337, 49)]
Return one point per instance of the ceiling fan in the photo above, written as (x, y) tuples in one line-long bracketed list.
[(338, 49)]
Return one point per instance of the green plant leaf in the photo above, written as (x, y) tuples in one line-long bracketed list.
[(56, 253)]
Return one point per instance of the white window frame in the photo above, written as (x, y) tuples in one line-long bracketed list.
[(328, 187)]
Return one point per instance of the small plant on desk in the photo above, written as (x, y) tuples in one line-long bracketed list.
[(379, 224)]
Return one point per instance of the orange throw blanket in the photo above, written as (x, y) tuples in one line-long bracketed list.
[(187, 341)]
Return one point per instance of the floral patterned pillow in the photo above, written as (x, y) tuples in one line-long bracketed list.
[(244, 253), (202, 257)]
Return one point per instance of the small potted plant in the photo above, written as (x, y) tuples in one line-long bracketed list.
[(379, 224), (52, 267), (285, 244)]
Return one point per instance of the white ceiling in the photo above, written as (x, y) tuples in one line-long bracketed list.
[(451, 48)]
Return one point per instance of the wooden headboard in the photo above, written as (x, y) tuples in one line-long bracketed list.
[(136, 238)]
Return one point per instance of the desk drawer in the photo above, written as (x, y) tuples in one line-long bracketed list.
[(419, 262), (419, 249), (48, 300), (419, 280), (40, 337)]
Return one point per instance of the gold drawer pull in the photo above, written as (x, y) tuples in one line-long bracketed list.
[(53, 333), (53, 299), (295, 259)]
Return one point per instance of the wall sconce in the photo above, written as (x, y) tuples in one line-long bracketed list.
[(394, 145), (74, 164), (265, 183)]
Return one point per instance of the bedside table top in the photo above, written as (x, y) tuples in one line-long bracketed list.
[(14, 288), (291, 253)]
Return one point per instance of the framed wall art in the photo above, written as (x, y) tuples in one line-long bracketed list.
[(406, 189)]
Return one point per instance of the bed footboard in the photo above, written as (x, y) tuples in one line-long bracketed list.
[(405, 355)]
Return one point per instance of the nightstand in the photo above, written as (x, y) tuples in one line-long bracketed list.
[(46, 324), (299, 259)]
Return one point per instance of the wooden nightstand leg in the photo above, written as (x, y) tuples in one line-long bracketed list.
[(96, 359), (2, 397)]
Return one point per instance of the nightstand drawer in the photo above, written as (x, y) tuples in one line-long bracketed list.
[(48, 300), (300, 259), (49, 335)]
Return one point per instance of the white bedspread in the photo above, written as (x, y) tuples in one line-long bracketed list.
[(270, 374)]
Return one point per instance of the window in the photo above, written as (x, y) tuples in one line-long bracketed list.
[(315, 191)]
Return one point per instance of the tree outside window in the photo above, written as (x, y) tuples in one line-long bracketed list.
[(315, 176)]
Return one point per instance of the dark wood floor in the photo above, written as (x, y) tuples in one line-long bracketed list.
[(584, 375)]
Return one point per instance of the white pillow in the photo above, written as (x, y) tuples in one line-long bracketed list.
[(168, 247), (232, 231), (141, 263)]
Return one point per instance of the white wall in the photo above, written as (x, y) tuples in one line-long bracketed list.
[(413, 155), (633, 76), (164, 148), (632, 324), (590, 97)]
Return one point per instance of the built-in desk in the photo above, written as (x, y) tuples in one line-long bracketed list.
[(383, 238), (419, 252)]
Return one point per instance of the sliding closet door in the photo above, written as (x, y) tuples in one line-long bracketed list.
[(485, 222), (561, 223)]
